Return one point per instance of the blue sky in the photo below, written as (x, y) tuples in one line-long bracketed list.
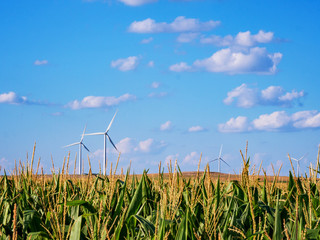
[(185, 75)]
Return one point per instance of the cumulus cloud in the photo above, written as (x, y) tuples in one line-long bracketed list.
[(100, 101), (254, 60), (246, 97), (306, 119), (12, 98), (218, 40), (135, 3), (276, 121), (180, 67), (191, 158), (180, 24), (196, 129), (271, 122), (126, 145), (15, 99), (131, 146), (238, 124), (151, 145), (155, 85), (187, 37), (243, 39), (40, 62), (157, 95), (125, 64), (151, 64), (171, 158), (166, 126), (147, 40)]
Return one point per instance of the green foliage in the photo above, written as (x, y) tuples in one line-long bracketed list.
[(166, 206)]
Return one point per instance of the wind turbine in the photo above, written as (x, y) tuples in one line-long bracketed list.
[(80, 149), (106, 135), (298, 162), (220, 159)]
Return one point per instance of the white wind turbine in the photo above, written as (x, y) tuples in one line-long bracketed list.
[(106, 135), (298, 162), (80, 150), (219, 159)]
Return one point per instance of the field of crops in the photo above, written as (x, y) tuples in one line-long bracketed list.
[(171, 206)]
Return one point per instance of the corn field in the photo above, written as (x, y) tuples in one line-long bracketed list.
[(164, 206)]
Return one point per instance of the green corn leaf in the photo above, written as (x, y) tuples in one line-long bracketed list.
[(76, 229)]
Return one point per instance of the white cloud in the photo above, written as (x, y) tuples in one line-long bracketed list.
[(132, 146), (242, 39), (5, 164), (306, 119), (271, 122), (134, 3), (12, 98), (180, 24), (98, 154), (247, 97), (290, 96), (191, 158), (196, 129), (255, 60), (125, 64), (40, 62), (126, 145), (248, 40), (100, 101), (258, 158), (151, 64), (151, 146), (187, 37), (166, 126), (217, 40), (238, 124), (171, 158), (157, 95), (276, 121), (147, 40), (155, 85), (180, 67)]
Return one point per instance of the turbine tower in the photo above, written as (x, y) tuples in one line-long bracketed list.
[(298, 163), (106, 135), (80, 150), (219, 159)]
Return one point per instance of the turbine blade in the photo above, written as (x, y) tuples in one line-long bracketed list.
[(108, 128), (214, 160), (73, 144), (84, 130), (220, 151), (85, 147), (303, 156), (98, 133), (112, 142), (224, 161)]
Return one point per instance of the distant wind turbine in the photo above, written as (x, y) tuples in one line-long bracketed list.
[(298, 162), (219, 159), (106, 135), (80, 149)]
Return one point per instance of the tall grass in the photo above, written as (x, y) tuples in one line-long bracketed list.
[(172, 206)]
